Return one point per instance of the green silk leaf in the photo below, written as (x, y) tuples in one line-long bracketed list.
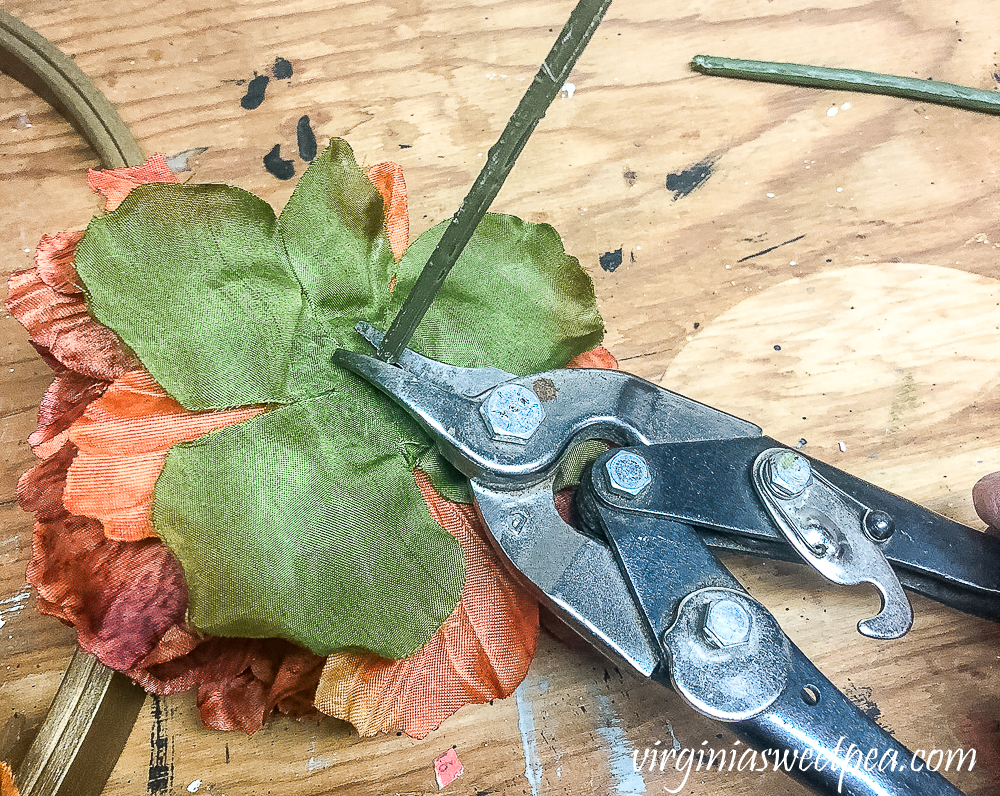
[(305, 522), (338, 553), (514, 299), (190, 278)]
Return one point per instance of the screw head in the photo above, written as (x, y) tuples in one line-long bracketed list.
[(628, 473), (788, 473), (512, 413), (728, 623)]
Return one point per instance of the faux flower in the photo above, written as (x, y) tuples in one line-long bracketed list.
[(219, 507)]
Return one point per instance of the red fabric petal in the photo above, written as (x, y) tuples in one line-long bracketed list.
[(240, 682), (115, 184), (54, 261), (63, 403), (120, 598), (120, 601), (598, 357)]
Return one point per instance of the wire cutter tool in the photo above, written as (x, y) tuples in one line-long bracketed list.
[(638, 579)]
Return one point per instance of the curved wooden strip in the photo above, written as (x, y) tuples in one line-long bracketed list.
[(34, 61), (84, 732), (95, 708)]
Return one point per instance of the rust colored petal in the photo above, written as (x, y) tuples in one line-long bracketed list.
[(40, 490), (128, 602), (482, 651), (120, 596), (54, 261), (63, 403), (7, 786), (123, 439), (240, 682), (598, 357), (60, 324), (388, 178), (115, 184)]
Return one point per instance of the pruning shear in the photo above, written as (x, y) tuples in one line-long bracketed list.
[(638, 579)]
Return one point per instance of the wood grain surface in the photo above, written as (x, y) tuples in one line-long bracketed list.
[(822, 263)]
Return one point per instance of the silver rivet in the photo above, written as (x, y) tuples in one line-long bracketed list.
[(512, 413), (628, 473), (879, 525), (728, 623), (788, 473), (816, 533)]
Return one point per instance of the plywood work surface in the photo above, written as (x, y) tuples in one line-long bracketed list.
[(821, 263)]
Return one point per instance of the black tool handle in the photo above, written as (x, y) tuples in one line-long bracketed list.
[(708, 484), (811, 718), (742, 669)]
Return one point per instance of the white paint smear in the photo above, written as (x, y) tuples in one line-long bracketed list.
[(12, 605), (628, 781), (526, 725), (319, 763)]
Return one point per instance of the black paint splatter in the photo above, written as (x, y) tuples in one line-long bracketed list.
[(161, 767), (684, 182), (277, 165), (611, 260), (255, 92), (306, 139), (282, 69), (861, 695), (770, 249)]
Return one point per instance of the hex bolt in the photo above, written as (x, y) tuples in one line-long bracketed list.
[(788, 473), (512, 413), (628, 473), (727, 623)]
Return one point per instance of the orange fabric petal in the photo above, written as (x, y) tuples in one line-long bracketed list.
[(115, 184), (482, 651), (598, 357), (7, 787), (123, 438), (388, 178)]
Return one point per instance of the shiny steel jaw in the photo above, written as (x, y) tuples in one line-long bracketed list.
[(510, 432)]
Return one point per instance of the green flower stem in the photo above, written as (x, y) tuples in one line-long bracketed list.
[(551, 77), (935, 91)]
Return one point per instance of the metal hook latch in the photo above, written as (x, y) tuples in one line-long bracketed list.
[(833, 533)]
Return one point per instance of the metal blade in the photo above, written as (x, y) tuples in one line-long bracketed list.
[(551, 77)]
